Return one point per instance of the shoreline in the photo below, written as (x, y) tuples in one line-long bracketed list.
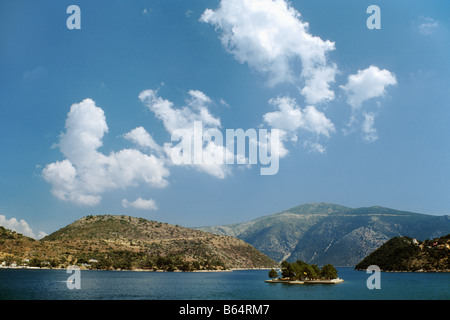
[(321, 281), (411, 271), (204, 270), (133, 270), (333, 281)]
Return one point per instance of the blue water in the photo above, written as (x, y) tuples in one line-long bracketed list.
[(236, 285)]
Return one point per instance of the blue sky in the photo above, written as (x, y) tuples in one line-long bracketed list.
[(86, 115)]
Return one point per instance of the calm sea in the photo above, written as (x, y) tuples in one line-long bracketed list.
[(22, 284)]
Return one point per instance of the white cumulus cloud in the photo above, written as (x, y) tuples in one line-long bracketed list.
[(140, 203), (20, 226), (182, 120), (270, 36), (367, 84), (86, 173), (292, 120), (179, 118), (291, 117), (143, 139)]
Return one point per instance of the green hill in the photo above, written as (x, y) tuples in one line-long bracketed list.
[(322, 233), (15, 246), (124, 242), (407, 254)]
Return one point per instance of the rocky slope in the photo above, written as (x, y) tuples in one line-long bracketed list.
[(407, 254), (322, 233), (124, 242)]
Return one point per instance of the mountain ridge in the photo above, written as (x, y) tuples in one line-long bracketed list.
[(324, 233)]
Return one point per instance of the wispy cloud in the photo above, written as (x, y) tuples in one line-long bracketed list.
[(428, 26), (37, 74), (146, 12), (370, 133)]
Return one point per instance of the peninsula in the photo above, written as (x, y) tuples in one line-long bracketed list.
[(405, 254)]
